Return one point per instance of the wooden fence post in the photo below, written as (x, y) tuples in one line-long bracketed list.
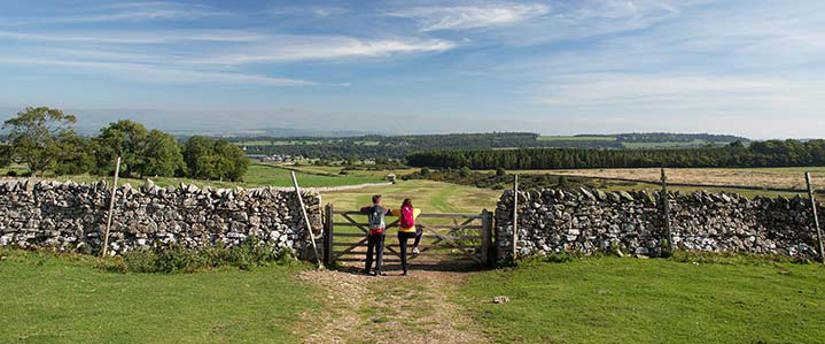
[(111, 209), (515, 216), (816, 216), (665, 199), (487, 251), (306, 219), (328, 234)]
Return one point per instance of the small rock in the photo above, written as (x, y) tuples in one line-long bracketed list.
[(501, 299)]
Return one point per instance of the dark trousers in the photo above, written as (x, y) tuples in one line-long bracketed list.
[(375, 243), (402, 241)]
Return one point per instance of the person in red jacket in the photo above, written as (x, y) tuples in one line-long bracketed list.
[(407, 230)]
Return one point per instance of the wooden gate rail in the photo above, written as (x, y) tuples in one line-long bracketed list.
[(482, 253)]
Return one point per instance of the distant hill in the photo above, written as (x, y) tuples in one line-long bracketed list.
[(641, 140), (398, 147), (267, 133)]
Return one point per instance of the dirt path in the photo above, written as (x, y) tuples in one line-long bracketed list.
[(411, 309)]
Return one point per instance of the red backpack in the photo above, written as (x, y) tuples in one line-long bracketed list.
[(407, 219)]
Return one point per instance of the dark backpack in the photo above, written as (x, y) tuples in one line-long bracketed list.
[(376, 220)]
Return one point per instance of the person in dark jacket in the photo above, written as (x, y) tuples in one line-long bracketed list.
[(375, 238)]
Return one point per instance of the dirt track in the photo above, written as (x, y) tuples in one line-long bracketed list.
[(392, 308)]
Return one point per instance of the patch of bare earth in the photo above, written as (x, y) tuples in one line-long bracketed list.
[(393, 308)]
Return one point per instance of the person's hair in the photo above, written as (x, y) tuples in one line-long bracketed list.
[(376, 198), (407, 203)]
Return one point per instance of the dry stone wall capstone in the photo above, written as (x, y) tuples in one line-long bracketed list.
[(72, 217), (591, 221)]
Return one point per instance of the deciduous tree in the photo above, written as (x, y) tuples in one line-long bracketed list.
[(162, 156), (124, 138), (35, 135)]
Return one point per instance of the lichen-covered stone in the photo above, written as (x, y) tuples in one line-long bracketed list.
[(72, 217), (587, 222)]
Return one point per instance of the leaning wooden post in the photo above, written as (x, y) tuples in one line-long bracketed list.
[(111, 208), (665, 199), (816, 216), (515, 216), (306, 219)]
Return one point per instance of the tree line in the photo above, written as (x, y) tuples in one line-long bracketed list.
[(44, 140), (773, 153), (676, 137), (398, 147), (390, 147)]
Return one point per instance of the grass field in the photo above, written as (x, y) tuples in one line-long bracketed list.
[(427, 195), (48, 299), (595, 300), (68, 299), (258, 175), (785, 177), (576, 138), (625, 300)]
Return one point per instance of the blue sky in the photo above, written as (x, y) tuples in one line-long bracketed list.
[(751, 67)]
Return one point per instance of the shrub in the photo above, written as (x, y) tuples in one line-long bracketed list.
[(559, 258), (140, 261), (176, 258)]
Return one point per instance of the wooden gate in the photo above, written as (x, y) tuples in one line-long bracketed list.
[(446, 237)]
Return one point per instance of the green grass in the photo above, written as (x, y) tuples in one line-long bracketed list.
[(258, 175), (367, 143), (429, 196), (626, 300), (576, 138), (68, 299), (262, 175)]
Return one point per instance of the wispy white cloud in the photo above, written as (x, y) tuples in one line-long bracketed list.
[(313, 48), (570, 21), (145, 72), (433, 18), (317, 11), (123, 12), (141, 37)]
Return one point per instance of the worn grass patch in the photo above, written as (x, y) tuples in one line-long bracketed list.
[(46, 299), (625, 300)]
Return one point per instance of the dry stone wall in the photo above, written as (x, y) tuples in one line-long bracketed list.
[(72, 217), (590, 221)]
